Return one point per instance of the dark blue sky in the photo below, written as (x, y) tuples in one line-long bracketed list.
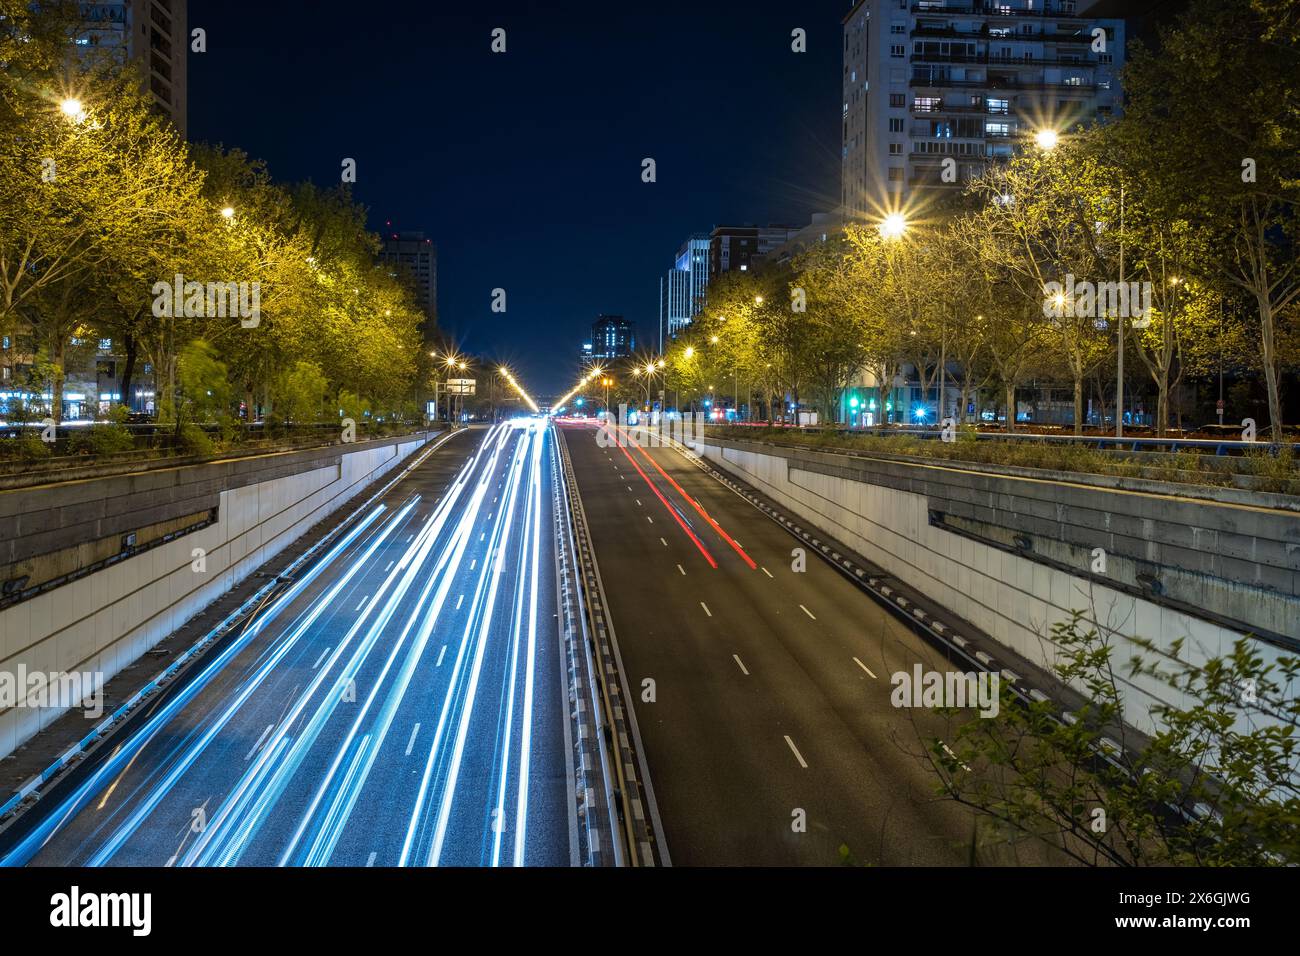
[(525, 168)]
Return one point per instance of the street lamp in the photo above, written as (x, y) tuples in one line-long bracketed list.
[(893, 226), (72, 109), (227, 212), (1047, 139)]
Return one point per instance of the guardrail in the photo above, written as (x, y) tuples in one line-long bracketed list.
[(1220, 447)]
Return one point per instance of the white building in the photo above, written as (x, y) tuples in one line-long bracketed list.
[(935, 89)]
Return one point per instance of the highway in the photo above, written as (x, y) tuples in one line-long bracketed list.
[(771, 685), (400, 703)]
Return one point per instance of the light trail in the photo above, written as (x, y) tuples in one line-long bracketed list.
[(41, 834), (307, 763)]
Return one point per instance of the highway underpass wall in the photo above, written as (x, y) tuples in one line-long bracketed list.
[(110, 564), (1013, 551)]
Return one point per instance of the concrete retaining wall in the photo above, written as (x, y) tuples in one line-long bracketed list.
[(102, 621), (892, 513)]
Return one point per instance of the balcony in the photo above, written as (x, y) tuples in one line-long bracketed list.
[(997, 84), (991, 10)]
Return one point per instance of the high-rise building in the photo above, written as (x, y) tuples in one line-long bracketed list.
[(416, 258), (934, 89), (151, 33), (674, 304), (612, 337), (693, 258)]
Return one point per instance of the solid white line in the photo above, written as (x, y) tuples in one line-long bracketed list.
[(864, 667), (411, 743), (743, 669), (767, 572), (260, 739), (681, 569), (440, 655), (321, 658), (458, 600), (797, 755), (363, 602), (706, 609), (808, 612)]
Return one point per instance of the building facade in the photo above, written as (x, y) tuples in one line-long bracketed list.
[(674, 304), (934, 90), (736, 248), (151, 34), (415, 258), (612, 337)]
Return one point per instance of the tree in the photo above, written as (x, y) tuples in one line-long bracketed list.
[(1215, 785), (1236, 173), (1041, 212), (300, 393)]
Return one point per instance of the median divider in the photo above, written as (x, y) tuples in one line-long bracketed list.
[(628, 794)]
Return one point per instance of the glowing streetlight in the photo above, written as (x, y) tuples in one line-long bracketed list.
[(713, 340), (758, 300), (893, 226), (72, 109), (690, 351), (1047, 139), (227, 212)]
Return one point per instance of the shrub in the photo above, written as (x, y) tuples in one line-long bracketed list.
[(101, 440), (194, 440)]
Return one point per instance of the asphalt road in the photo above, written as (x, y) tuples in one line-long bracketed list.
[(771, 685), (401, 704)]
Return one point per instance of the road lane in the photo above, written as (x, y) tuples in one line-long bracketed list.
[(803, 729), (401, 704)]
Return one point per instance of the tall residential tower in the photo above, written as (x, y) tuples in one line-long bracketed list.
[(934, 89)]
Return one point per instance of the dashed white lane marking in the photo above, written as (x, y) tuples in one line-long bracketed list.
[(864, 667), (797, 755), (390, 566), (706, 609), (808, 612), (663, 542), (472, 563), (321, 658), (743, 669), (441, 654), (408, 540), (363, 602), (257, 746), (482, 535), (638, 502), (458, 600), (767, 572), (650, 519), (411, 743), (371, 861), (681, 569)]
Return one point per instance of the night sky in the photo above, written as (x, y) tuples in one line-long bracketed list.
[(525, 167)]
